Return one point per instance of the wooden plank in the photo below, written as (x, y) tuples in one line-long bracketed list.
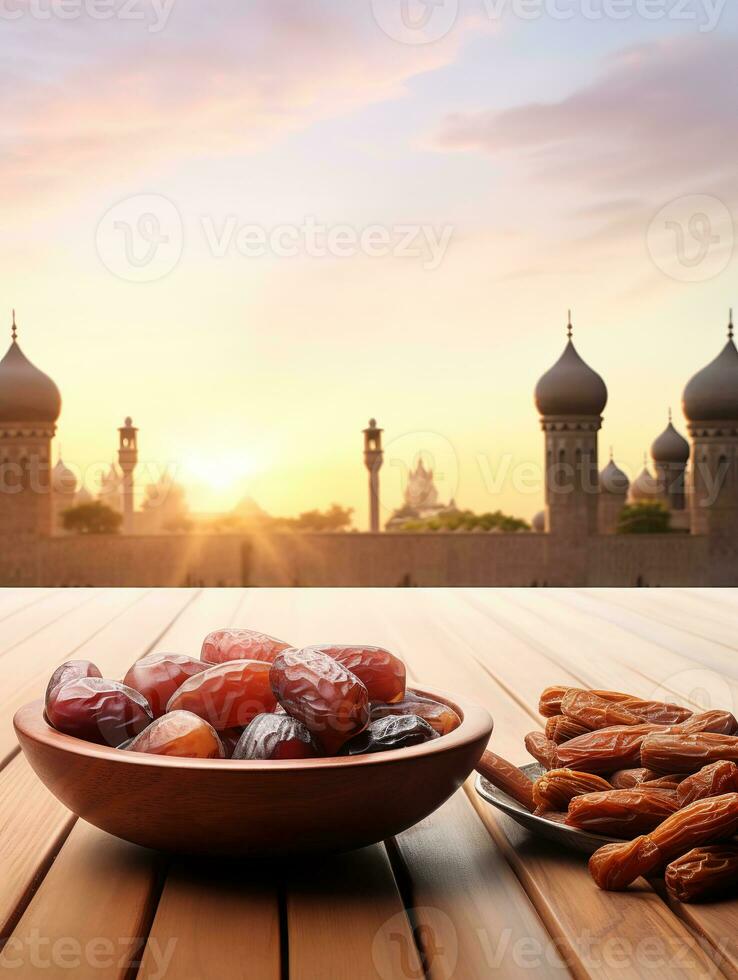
[(220, 922), (601, 934), (88, 918), (203, 907), (717, 923), (33, 826), (13, 600), (29, 619), (472, 913), (345, 918)]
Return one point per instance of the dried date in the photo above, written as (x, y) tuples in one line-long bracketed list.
[(507, 777), (594, 712), (321, 693), (543, 750), (72, 670), (158, 675), (605, 751), (615, 866), (98, 710), (227, 695), (381, 672), (666, 752), (272, 736), (240, 644), (713, 780), (555, 789), (704, 873), (181, 734), (391, 732), (560, 729), (439, 716), (622, 812)]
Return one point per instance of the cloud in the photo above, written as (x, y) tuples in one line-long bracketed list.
[(96, 99), (660, 114)]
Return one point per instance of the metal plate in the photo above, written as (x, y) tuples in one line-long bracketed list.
[(559, 833)]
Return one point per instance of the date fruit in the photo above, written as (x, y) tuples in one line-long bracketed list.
[(223, 645), (657, 712), (628, 778), (543, 750), (507, 777), (271, 736), (381, 672), (227, 695), (98, 710), (622, 812), (158, 675), (391, 732), (615, 866), (555, 789), (179, 733), (704, 873), (712, 780), (717, 722), (666, 752), (229, 738), (72, 670), (321, 693), (605, 751), (593, 712), (560, 729), (439, 716)]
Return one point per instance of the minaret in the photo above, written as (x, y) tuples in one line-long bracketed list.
[(670, 455), (30, 404), (373, 459), (570, 398), (710, 403), (127, 459), (614, 486)]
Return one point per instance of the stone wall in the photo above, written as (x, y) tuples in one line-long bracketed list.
[(380, 560)]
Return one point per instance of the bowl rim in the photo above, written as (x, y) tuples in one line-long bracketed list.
[(30, 723)]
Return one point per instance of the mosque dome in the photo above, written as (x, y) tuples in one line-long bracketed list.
[(712, 394), (613, 480), (670, 447), (63, 480), (644, 489), (571, 387), (26, 394), (538, 524)]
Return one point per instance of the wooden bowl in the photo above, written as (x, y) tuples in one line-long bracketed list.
[(218, 806)]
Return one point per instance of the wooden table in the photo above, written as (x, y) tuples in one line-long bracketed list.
[(466, 888)]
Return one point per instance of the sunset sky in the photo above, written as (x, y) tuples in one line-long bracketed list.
[(556, 161)]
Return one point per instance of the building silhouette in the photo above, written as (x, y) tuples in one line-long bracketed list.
[(574, 540)]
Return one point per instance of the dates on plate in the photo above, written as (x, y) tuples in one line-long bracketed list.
[(158, 675), (591, 711), (98, 710), (381, 672), (622, 812), (708, 821), (543, 750), (605, 751), (240, 644), (554, 790), (665, 752), (439, 716), (507, 777), (272, 736), (227, 695), (391, 732), (560, 729), (713, 780), (179, 733), (321, 693)]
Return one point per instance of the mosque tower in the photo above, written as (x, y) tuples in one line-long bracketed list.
[(30, 404), (670, 454), (373, 459), (710, 403), (614, 486), (570, 398), (127, 459)]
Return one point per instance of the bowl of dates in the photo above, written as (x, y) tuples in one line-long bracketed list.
[(255, 748)]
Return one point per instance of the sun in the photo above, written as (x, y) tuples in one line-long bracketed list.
[(219, 471)]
